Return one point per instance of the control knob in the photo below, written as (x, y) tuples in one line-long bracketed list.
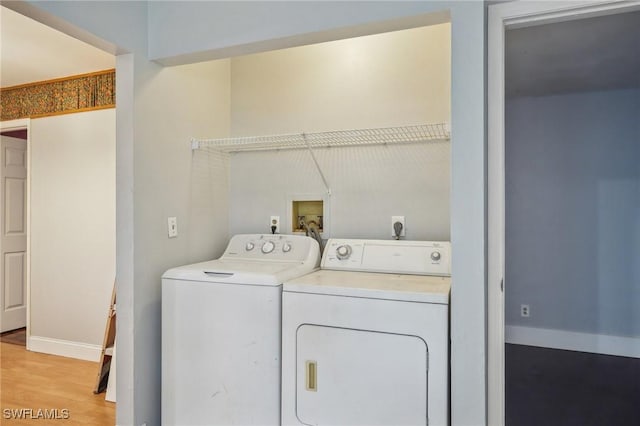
[(268, 247), (286, 247), (435, 256), (343, 251), (249, 246)]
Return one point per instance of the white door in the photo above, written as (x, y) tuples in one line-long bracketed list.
[(13, 241)]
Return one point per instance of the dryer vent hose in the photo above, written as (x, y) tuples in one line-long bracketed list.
[(312, 231)]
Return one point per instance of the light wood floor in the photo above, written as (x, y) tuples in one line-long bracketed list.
[(30, 380)]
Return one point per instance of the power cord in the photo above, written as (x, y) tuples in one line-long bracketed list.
[(397, 228)]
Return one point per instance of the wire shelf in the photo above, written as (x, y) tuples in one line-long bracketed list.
[(387, 135)]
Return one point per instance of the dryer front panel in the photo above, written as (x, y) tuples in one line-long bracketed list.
[(360, 377)]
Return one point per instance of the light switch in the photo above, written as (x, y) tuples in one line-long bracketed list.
[(172, 227)]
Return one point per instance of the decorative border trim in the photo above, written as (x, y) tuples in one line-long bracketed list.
[(570, 340), (79, 93), (65, 348)]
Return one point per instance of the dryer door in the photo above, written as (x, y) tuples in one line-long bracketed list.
[(359, 377)]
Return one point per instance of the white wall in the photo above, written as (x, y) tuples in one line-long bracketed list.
[(216, 28), (72, 231), (391, 79), (573, 213), (172, 106), (158, 111)]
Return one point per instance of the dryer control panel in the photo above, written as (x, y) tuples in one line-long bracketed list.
[(396, 257)]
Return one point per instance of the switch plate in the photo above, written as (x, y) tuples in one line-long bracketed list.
[(400, 219), (172, 227), (275, 220)]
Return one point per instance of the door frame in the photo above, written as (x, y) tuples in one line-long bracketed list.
[(504, 16), (22, 124)]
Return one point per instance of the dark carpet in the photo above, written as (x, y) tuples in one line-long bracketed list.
[(547, 387)]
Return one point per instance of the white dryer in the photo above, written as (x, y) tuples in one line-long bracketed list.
[(365, 340), (221, 331)]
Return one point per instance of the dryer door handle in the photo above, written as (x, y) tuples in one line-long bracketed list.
[(311, 368)]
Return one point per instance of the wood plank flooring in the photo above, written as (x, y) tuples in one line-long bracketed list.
[(30, 380), (17, 337)]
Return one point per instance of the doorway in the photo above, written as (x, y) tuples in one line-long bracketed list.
[(563, 196), (14, 204)]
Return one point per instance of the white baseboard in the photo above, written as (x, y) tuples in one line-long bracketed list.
[(66, 348), (573, 341)]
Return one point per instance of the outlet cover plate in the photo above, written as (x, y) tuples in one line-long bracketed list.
[(275, 220)]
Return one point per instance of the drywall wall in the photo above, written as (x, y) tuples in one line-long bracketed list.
[(125, 26), (255, 26), (158, 111), (72, 227), (391, 79), (172, 106), (573, 212), (120, 28), (368, 186)]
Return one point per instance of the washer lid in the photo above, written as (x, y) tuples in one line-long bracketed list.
[(251, 272), (410, 288)]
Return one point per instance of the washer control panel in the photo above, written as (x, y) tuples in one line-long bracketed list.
[(269, 246), (390, 256)]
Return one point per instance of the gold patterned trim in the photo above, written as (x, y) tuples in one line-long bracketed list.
[(79, 93)]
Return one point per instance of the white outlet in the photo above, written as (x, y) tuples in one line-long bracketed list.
[(400, 219), (172, 227), (275, 221), (525, 311)]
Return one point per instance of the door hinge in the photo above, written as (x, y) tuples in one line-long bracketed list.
[(502, 285)]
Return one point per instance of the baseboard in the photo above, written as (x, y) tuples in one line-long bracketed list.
[(573, 341), (66, 348)]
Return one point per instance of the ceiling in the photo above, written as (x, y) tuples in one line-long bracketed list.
[(31, 51), (601, 53)]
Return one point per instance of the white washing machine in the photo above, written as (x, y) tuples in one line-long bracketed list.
[(221, 331), (365, 340)]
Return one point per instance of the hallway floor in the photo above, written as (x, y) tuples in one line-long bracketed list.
[(15, 337), (39, 389), (556, 387)]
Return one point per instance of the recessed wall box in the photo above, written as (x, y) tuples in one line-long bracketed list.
[(313, 209), (309, 211)]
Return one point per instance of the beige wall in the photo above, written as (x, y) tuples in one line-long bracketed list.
[(389, 79), (72, 226)]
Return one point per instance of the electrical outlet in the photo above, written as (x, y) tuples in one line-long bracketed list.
[(172, 227), (400, 219), (275, 221), (525, 311)]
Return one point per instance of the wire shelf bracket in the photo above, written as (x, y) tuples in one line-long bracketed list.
[(421, 133), (386, 135)]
